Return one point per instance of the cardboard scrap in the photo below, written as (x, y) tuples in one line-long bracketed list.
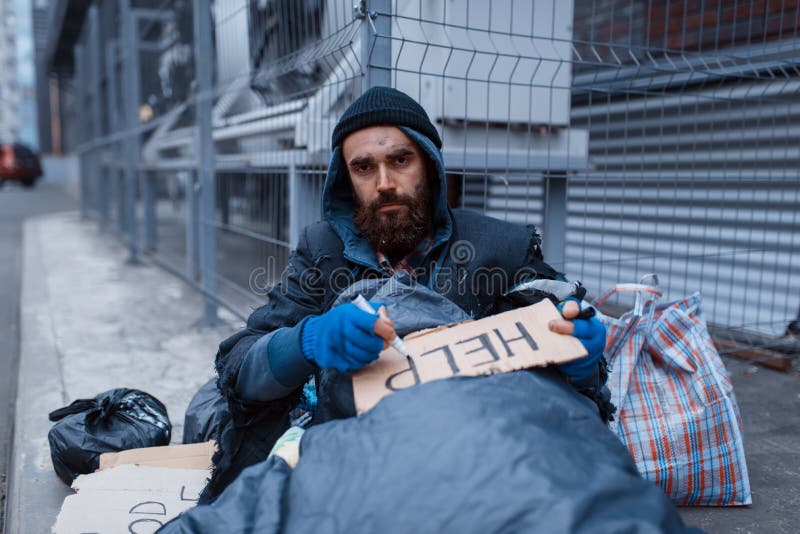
[(510, 341), (129, 498), (194, 456)]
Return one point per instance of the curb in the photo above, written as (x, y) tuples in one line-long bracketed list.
[(33, 500)]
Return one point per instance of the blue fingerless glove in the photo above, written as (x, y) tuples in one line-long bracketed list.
[(342, 338), (592, 335)]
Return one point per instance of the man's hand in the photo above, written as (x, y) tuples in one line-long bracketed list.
[(344, 338), (589, 331)]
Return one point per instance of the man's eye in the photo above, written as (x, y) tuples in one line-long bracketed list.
[(402, 160)]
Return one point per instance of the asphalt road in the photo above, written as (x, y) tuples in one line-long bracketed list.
[(16, 204)]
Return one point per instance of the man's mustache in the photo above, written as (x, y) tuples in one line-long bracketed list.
[(390, 198)]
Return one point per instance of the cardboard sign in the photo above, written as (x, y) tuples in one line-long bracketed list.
[(194, 456), (129, 498), (510, 341)]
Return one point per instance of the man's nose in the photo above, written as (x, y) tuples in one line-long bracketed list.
[(385, 179)]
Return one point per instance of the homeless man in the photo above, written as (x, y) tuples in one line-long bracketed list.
[(385, 213)]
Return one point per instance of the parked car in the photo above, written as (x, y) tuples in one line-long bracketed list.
[(19, 163)]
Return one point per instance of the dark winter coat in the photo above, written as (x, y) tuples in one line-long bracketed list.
[(475, 260)]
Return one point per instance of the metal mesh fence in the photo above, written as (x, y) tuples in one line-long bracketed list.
[(639, 136), (690, 109)]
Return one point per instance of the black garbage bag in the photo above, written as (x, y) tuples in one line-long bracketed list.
[(115, 420), (515, 452), (205, 414)]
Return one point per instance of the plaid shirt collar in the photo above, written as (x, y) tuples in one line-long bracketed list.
[(410, 262)]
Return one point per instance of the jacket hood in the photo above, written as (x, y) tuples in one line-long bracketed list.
[(338, 206)]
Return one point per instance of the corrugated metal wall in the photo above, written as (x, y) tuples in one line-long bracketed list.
[(698, 183)]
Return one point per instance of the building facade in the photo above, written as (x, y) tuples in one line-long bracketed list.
[(9, 89)]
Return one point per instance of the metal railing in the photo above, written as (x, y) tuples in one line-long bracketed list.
[(639, 136)]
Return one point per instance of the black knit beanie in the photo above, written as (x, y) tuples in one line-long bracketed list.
[(384, 105)]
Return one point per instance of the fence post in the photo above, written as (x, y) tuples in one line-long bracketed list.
[(122, 214), (376, 42), (204, 149), (554, 231), (192, 225), (131, 100), (80, 68), (112, 86), (149, 196), (294, 206), (101, 184)]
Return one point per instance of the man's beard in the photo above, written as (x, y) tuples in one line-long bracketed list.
[(396, 232)]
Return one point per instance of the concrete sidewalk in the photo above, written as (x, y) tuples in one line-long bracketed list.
[(91, 323)]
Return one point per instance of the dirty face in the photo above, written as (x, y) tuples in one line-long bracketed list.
[(390, 188)]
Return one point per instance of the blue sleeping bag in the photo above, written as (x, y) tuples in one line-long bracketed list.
[(518, 452)]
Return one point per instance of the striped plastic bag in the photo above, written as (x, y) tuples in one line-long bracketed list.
[(676, 410)]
